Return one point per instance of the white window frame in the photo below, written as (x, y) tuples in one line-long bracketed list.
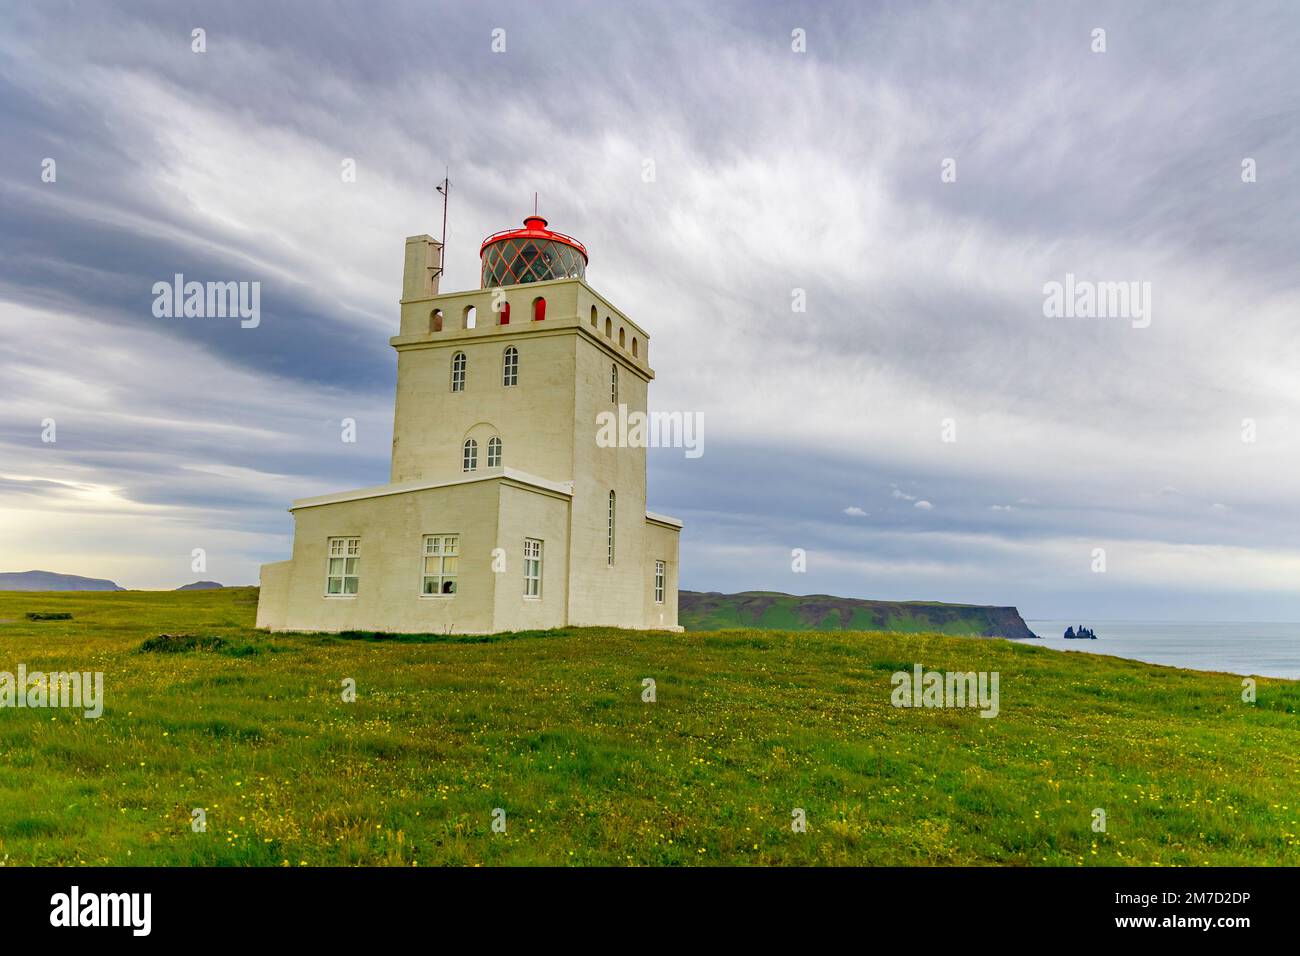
[(346, 550), (494, 452), (469, 455), (458, 366), (613, 510), (533, 555), (660, 580), (440, 548), (510, 367)]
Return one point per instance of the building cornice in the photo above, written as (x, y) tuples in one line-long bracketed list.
[(507, 333)]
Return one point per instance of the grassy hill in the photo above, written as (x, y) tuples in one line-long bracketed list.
[(773, 610), (551, 727)]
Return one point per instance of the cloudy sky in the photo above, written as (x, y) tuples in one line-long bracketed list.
[(774, 170)]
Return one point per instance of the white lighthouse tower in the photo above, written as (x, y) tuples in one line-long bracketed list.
[(502, 512)]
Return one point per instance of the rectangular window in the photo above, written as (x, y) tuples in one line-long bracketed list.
[(659, 582), (532, 568), (441, 558), (458, 372), (613, 382), (344, 568)]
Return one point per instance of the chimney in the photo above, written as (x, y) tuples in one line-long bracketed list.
[(423, 268)]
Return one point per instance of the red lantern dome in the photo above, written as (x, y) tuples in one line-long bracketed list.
[(531, 254)]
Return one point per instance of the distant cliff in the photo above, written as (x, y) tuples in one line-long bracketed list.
[(772, 610), (52, 581)]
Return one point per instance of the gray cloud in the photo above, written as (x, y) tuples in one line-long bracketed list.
[(775, 171)]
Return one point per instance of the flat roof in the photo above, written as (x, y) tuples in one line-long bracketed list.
[(403, 487), (664, 519)]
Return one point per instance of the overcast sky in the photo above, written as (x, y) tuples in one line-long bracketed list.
[(774, 170)]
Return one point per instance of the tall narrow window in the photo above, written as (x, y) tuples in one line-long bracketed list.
[(470, 317), (458, 372), (343, 573), (613, 382), (441, 555), (659, 582), (593, 316), (471, 455), (532, 568), (622, 338), (609, 327), (494, 452), (505, 313), (435, 320), (610, 531), (539, 309), (510, 367)]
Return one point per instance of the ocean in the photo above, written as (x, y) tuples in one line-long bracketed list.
[(1266, 650)]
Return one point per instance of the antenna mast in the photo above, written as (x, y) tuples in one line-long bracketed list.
[(444, 189)]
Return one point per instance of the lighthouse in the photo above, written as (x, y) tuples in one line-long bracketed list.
[(502, 511)]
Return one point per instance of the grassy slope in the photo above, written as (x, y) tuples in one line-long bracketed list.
[(551, 727)]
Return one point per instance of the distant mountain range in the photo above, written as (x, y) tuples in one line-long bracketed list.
[(53, 581), (773, 610)]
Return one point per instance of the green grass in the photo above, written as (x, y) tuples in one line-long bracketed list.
[(551, 727)]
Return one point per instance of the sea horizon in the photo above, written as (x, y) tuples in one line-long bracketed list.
[(1248, 648)]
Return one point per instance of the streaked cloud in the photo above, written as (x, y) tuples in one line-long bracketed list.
[(775, 172)]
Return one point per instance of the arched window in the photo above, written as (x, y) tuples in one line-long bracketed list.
[(539, 309), (471, 317), (593, 316), (613, 382), (610, 541), (634, 346), (510, 367), (494, 452), (435, 320), (470, 460), (609, 327), (505, 314), (458, 372), (622, 338)]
